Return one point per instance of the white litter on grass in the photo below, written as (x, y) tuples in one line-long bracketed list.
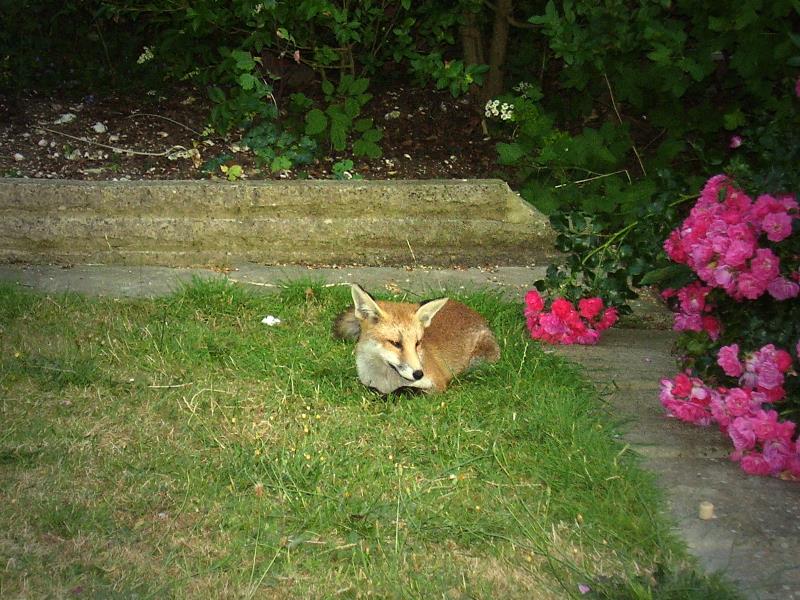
[(99, 127), (65, 118), (271, 321)]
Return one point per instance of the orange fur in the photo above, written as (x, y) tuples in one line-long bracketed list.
[(423, 346)]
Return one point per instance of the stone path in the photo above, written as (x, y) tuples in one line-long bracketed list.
[(755, 537)]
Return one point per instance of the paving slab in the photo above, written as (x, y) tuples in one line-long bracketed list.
[(754, 538)]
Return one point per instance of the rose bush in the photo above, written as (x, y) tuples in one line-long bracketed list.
[(741, 309)]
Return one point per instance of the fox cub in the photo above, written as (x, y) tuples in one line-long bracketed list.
[(414, 345)]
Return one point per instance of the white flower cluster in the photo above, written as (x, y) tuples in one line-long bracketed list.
[(522, 87), (505, 110), (147, 54)]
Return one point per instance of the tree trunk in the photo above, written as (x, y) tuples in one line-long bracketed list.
[(472, 41), (493, 86)]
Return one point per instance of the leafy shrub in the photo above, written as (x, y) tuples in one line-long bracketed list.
[(634, 105), (303, 69)]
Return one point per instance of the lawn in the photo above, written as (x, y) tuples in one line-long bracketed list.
[(179, 447)]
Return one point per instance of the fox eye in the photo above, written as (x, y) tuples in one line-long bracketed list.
[(396, 343)]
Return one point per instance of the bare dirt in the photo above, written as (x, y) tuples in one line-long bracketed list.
[(426, 135)]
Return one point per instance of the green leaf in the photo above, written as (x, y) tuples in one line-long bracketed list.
[(280, 163), (361, 125), (352, 107), (316, 122), (665, 273), (247, 81), (510, 153), (372, 135), (734, 119), (244, 62), (327, 88), (338, 136), (359, 86), (216, 95), (367, 148), (340, 124)]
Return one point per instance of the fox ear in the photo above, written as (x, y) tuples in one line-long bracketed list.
[(366, 307), (428, 310)]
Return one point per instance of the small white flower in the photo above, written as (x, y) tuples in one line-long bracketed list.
[(507, 111), (493, 108), (271, 321)]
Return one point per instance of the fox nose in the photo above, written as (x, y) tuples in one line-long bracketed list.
[(417, 374)]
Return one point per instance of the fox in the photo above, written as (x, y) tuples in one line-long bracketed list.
[(414, 345)]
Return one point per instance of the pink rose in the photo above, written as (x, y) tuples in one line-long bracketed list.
[(674, 247), (728, 359), (793, 465), (765, 265), (713, 188), (765, 425), (781, 288), (738, 402), (562, 308), (552, 325), (711, 326), (688, 322), (590, 337), (691, 413), (723, 276), (749, 286), (735, 142), (683, 385), (777, 225), (738, 252), (719, 409), (776, 453), (755, 464), (610, 317), (590, 307), (769, 376), (783, 360), (533, 301), (742, 434)]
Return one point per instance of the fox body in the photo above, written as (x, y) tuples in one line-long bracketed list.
[(421, 346)]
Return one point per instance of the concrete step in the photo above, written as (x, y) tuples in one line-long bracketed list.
[(195, 223)]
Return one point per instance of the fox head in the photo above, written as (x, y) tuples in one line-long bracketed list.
[(393, 331)]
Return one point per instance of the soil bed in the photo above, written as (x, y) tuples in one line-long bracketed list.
[(427, 135)]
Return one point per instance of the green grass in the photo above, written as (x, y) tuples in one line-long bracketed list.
[(178, 447)]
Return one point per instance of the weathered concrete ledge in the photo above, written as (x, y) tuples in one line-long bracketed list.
[(200, 223)]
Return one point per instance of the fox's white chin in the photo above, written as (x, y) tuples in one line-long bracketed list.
[(375, 371)]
